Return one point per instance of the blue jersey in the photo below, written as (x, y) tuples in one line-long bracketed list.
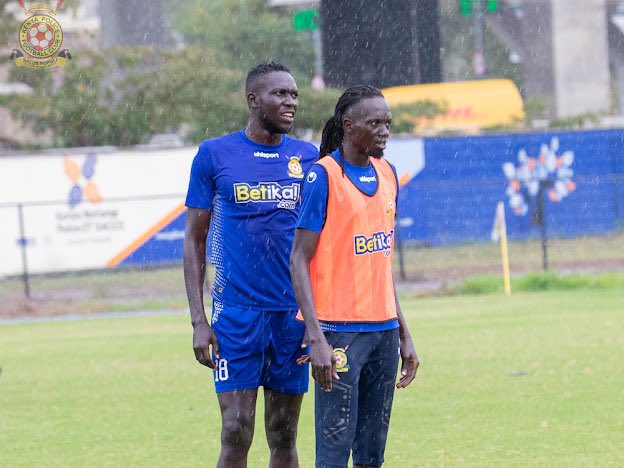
[(314, 212), (254, 192)]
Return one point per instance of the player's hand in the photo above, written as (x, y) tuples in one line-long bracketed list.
[(409, 362), (304, 344), (204, 338), (323, 364)]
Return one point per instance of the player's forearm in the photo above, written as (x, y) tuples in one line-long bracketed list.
[(300, 275), (403, 330), (194, 274)]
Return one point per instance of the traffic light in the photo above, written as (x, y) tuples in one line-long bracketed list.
[(305, 20), (466, 7)]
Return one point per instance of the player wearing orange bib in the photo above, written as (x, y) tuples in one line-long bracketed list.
[(341, 267)]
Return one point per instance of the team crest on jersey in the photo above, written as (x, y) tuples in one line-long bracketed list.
[(390, 208), (341, 359), (294, 167)]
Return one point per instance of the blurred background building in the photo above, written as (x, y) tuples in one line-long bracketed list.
[(568, 54), (149, 76)]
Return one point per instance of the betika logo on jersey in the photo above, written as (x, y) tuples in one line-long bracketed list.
[(268, 192), (378, 242)]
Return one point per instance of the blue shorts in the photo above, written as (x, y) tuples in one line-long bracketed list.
[(259, 349), (353, 418)]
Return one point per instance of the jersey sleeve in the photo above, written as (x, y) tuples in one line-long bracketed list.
[(201, 189), (396, 200), (314, 200)]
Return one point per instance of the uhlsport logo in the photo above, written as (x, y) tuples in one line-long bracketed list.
[(268, 192), (294, 167), (341, 359), (40, 37), (83, 185), (378, 242)]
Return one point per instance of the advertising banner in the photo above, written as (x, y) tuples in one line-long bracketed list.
[(96, 209), (92, 209)]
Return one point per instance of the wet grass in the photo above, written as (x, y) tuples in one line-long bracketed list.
[(530, 380), (545, 281)]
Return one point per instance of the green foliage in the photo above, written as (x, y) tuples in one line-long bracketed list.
[(544, 281), (39, 79), (479, 285), (124, 95), (244, 33), (148, 93), (405, 117), (574, 121), (77, 112), (535, 108), (184, 89), (8, 29), (315, 108)]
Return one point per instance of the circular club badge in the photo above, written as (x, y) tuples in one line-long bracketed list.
[(40, 36)]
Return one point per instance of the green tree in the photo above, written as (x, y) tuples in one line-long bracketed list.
[(155, 93), (8, 26), (244, 33), (77, 112), (190, 91), (315, 108), (406, 117), (124, 95)]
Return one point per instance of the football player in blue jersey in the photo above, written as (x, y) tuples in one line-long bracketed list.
[(245, 187)]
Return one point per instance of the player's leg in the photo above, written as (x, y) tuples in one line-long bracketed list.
[(285, 383), (336, 412), (376, 386), (237, 378), (281, 418), (238, 412)]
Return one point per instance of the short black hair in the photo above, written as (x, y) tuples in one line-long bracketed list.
[(261, 70)]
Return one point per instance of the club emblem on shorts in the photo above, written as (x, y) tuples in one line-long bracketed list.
[(40, 37), (294, 167), (341, 359)]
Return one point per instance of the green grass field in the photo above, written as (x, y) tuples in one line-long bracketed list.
[(531, 380)]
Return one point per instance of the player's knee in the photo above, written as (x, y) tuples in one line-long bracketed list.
[(237, 433), (281, 432)]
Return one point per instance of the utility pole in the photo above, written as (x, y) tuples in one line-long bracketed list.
[(478, 9), (318, 83), (308, 20), (478, 60)]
